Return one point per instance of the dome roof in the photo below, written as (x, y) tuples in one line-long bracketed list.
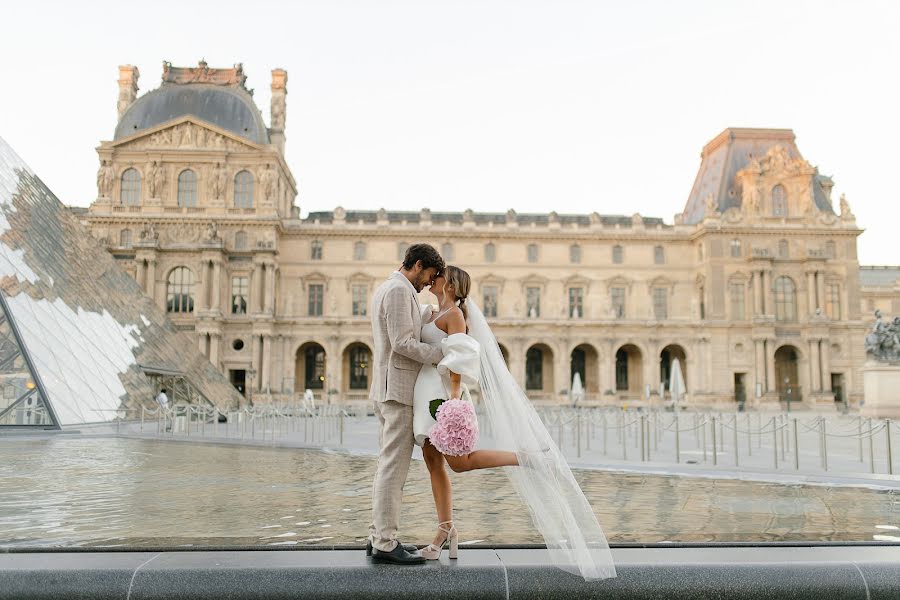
[(230, 108)]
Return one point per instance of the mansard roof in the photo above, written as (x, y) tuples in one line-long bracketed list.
[(217, 96), (728, 153)]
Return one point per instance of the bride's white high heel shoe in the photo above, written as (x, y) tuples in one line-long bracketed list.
[(432, 552)]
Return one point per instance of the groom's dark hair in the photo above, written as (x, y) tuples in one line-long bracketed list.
[(427, 254)]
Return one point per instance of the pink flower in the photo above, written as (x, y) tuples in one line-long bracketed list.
[(456, 430)]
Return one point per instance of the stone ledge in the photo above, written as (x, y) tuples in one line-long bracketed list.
[(678, 573)]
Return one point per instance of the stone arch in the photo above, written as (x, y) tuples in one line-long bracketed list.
[(666, 357), (310, 369), (787, 373), (505, 352), (584, 359), (539, 363), (629, 370), (356, 371)]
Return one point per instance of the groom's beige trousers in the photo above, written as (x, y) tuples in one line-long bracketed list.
[(396, 442)]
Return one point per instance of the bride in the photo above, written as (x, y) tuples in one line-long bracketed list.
[(544, 482)]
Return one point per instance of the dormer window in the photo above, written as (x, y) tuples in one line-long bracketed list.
[(779, 201)]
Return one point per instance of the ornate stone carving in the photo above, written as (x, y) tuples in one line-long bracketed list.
[(883, 343), (182, 233), (187, 135), (712, 207), (105, 178), (203, 74), (212, 231), (846, 214), (269, 183), (218, 182), (156, 180), (149, 233)]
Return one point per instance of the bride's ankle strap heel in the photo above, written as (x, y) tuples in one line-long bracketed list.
[(432, 552)]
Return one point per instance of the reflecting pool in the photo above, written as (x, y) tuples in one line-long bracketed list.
[(83, 491)]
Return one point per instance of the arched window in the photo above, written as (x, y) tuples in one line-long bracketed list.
[(617, 255), (785, 299), (125, 238), (187, 188), (736, 249), (243, 190), (622, 370), (659, 255), (447, 251), (180, 290), (130, 194), (574, 254), (240, 240), (359, 251), (779, 201), (490, 252)]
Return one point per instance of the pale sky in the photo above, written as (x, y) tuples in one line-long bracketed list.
[(538, 106)]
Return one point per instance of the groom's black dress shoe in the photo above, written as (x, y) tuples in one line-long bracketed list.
[(397, 556), (411, 548)]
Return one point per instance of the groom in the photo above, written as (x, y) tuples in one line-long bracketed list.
[(399, 353)]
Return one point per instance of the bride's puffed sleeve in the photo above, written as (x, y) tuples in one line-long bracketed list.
[(462, 356)]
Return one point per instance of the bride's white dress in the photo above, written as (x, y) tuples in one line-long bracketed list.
[(545, 483), (461, 354)]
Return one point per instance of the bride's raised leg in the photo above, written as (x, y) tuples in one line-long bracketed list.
[(482, 459), (441, 488)]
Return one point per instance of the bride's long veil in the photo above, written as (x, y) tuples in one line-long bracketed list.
[(544, 481)]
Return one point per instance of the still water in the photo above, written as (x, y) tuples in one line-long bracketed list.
[(78, 491)]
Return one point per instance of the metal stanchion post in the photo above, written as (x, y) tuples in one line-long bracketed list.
[(775, 442), (721, 434), (578, 433), (871, 447), (341, 424), (677, 440), (604, 433), (643, 448), (749, 437), (142, 419), (784, 435), (624, 444), (859, 429), (702, 427), (824, 446), (890, 458), (796, 446), (736, 454), (714, 446)]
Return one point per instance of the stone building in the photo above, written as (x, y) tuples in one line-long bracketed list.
[(755, 287)]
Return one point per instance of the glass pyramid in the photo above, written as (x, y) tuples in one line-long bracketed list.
[(78, 337)]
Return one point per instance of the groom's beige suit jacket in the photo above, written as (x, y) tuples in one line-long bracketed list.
[(399, 352)]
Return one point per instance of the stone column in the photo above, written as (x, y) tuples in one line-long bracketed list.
[(811, 292), (255, 363), (202, 281), (217, 287), (215, 340), (768, 292), (141, 274), (820, 288), (266, 362), (151, 279), (201, 343), (758, 293), (284, 364), (760, 370), (610, 366), (770, 366), (814, 377), (825, 354), (268, 287), (710, 385), (561, 379), (255, 289)]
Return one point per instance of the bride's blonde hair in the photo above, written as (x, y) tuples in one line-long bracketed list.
[(460, 281)]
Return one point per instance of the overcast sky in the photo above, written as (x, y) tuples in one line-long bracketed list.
[(538, 106)]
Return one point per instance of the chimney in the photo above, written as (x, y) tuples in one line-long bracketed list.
[(128, 87), (279, 108)]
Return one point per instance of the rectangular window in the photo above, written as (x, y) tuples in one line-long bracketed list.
[(660, 303), (617, 297), (490, 301), (617, 255), (490, 252), (316, 299), (833, 301), (576, 302), (316, 250), (533, 302), (659, 255), (736, 248), (575, 254), (738, 296), (239, 292), (532, 253), (360, 299), (359, 251)]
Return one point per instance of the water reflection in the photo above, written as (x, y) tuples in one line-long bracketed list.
[(69, 491)]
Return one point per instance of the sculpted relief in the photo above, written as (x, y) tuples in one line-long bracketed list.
[(188, 135)]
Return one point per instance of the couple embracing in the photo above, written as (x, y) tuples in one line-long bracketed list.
[(425, 360)]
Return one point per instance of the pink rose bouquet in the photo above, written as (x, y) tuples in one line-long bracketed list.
[(456, 430)]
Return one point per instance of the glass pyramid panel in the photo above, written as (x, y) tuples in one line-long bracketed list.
[(76, 321)]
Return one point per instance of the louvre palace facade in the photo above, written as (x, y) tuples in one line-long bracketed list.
[(754, 287)]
